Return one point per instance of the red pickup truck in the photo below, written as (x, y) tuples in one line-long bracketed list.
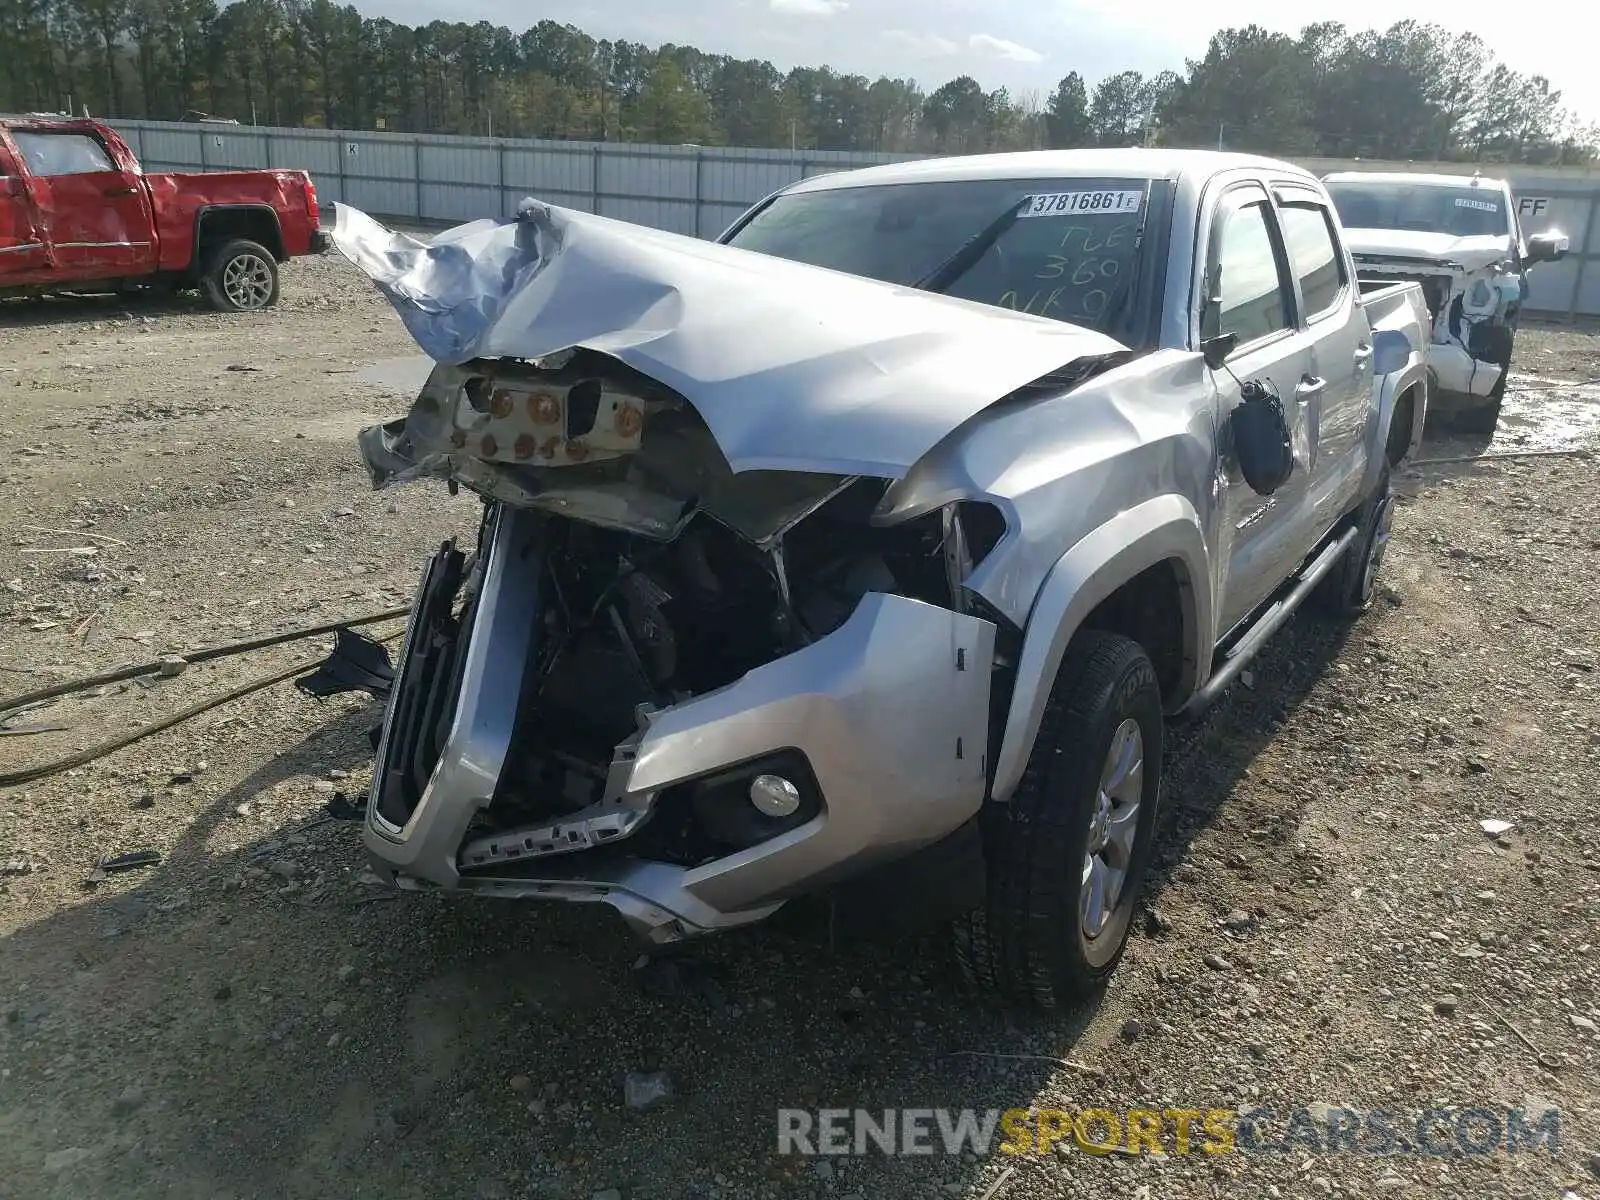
[(77, 213)]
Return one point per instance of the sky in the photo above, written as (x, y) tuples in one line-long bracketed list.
[(1018, 44)]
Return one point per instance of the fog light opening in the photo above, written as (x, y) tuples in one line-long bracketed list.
[(774, 796)]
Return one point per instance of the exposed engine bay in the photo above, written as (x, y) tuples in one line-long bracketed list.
[(672, 578)]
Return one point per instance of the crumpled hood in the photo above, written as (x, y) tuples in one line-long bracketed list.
[(1469, 253), (791, 367)]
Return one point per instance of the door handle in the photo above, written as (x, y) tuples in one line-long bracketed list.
[(120, 191), (1363, 352), (1308, 387)]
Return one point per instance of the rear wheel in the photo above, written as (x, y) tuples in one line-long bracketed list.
[(241, 276), (1067, 854), (1348, 589)]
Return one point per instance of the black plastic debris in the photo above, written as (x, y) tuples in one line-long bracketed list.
[(107, 864), (341, 808), (357, 664), (130, 860)]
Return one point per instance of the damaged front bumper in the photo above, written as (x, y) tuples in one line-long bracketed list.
[(1454, 372), (880, 726)]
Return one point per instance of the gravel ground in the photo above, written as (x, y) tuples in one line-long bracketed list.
[(1328, 924)]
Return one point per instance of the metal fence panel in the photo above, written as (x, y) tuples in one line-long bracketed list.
[(181, 146), (1591, 222), (299, 150), (1551, 285), (460, 164), (701, 190), (554, 173), (459, 201), (716, 216), (744, 180), (675, 216), (232, 151), (392, 197), (379, 159), (630, 173), (1586, 295)]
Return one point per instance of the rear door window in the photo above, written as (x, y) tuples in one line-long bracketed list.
[(49, 154), (1249, 291), (1314, 254)]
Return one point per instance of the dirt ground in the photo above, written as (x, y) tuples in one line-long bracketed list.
[(255, 1017)]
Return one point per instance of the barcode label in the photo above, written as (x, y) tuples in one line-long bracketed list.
[(1480, 205), (1067, 204)]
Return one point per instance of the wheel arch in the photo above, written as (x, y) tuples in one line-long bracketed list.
[(218, 223), (1126, 576), (1401, 383)]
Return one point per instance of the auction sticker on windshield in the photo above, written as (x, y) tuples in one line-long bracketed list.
[(1480, 205), (1066, 204)]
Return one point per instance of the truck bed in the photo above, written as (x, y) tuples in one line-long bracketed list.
[(1393, 306)]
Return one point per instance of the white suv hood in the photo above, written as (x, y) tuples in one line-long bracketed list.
[(791, 367), (1468, 253)]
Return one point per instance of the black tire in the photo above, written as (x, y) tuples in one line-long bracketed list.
[(1027, 944), (1482, 418), (240, 276), (1485, 418), (1348, 589), (1402, 424)]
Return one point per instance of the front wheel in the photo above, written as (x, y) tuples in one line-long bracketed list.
[(1066, 855), (1500, 341), (241, 276)]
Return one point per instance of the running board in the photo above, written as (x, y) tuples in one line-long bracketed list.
[(1228, 665)]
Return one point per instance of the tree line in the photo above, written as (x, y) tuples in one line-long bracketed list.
[(1412, 91)]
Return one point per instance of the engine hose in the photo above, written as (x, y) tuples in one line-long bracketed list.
[(9, 707), (84, 757)]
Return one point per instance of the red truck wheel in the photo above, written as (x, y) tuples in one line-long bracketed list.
[(241, 276)]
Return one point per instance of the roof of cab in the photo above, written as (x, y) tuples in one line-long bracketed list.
[(52, 120), (1132, 162), (1414, 178)]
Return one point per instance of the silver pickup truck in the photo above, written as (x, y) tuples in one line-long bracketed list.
[(864, 556)]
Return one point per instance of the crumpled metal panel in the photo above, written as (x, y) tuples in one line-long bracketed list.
[(1469, 253), (791, 367)]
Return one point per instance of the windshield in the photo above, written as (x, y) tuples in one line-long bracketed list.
[(1073, 253), (1459, 211)]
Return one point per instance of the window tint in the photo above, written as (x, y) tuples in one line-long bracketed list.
[(1248, 282), (62, 153), (1309, 241)]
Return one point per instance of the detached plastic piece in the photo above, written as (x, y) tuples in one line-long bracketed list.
[(357, 664)]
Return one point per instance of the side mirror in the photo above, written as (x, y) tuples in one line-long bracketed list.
[(1547, 247), (1215, 350)]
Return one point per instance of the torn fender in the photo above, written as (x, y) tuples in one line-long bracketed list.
[(792, 367)]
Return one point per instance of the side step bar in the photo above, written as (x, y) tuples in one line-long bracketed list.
[(1228, 665)]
